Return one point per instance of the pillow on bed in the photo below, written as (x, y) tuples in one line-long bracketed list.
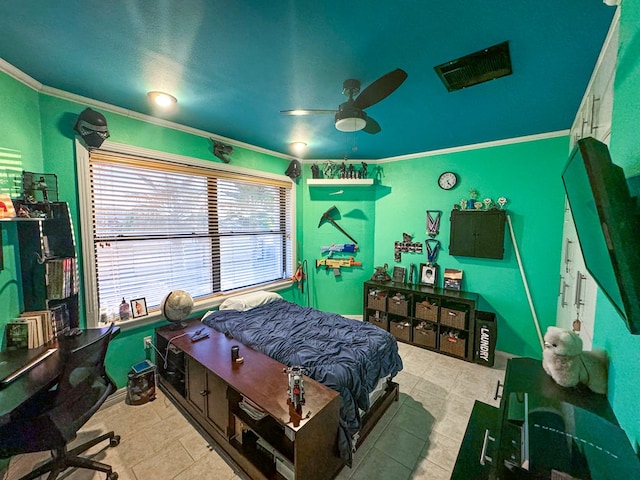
[(248, 301)]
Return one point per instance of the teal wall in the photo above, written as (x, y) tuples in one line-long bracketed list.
[(20, 148), (611, 332), (528, 175)]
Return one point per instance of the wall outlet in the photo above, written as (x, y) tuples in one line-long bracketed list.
[(147, 342)]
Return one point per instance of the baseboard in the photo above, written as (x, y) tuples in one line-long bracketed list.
[(116, 397), (353, 317)]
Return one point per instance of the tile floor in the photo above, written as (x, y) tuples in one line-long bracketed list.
[(417, 438)]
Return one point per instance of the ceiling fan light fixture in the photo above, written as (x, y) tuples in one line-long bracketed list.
[(350, 119), (162, 99), (298, 146)]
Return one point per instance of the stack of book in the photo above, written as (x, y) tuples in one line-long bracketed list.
[(30, 330), (61, 278)]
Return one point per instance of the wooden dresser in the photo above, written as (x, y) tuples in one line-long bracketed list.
[(201, 378)]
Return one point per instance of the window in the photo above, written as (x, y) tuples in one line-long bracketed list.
[(153, 225)]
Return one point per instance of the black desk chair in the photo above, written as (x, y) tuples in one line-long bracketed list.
[(51, 419)]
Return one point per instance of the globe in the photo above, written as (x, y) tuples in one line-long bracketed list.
[(177, 306)]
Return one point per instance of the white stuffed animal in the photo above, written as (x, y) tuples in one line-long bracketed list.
[(564, 360)]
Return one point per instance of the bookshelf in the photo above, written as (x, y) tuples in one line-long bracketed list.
[(48, 262)]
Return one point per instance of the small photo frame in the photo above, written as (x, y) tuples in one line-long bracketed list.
[(428, 274), (399, 274), (139, 308)]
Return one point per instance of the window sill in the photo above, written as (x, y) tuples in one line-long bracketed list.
[(200, 307)]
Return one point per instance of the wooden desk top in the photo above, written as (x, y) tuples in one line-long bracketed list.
[(43, 375), (260, 378)]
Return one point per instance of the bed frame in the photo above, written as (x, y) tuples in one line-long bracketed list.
[(201, 379)]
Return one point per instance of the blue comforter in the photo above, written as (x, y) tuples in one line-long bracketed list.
[(346, 355)]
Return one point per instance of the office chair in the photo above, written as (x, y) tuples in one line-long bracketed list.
[(48, 421)]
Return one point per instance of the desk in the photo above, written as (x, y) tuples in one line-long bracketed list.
[(43, 375)]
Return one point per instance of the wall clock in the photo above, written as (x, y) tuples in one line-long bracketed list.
[(447, 180)]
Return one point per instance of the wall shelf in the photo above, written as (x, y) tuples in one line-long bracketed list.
[(342, 182)]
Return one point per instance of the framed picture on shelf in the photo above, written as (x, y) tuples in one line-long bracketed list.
[(399, 274), (139, 308), (452, 279), (428, 274)]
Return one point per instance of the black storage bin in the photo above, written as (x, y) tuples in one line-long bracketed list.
[(486, 336), (141, 386)]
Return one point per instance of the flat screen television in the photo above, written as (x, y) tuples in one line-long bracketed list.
[(607, 221)]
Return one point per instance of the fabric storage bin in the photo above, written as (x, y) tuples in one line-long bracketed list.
[(424, 334), (379, 320), (427, 311), (401, 330), (377, 300), (454, 345), (398, 306), (454, 317)]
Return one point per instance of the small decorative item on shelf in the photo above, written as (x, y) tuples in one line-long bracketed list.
[(381, 275), (452, 279), (124, 311), (399, 274), (487, 203), (502, 201), (39, 187), (428, 274), (139, 307), (473, 195), (463, 203), (344, 171)]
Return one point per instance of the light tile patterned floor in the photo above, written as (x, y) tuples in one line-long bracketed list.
[(417, 438)]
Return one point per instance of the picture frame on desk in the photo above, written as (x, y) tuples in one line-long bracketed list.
[(139, 308)]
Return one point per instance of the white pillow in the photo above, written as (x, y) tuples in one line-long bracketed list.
[(248, 301)]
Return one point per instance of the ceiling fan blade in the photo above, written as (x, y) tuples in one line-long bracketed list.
[(300, 112), (372, 126), (380, 89)]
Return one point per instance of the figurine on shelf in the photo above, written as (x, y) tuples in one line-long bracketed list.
[(42, 186), (363, 171), (315, 171), (473, 194)]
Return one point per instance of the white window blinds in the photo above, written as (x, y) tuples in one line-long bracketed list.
[(160, 226)]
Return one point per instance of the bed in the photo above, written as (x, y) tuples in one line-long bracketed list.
[(352, 357)]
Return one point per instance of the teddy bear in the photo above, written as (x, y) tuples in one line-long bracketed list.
[(565, 361)]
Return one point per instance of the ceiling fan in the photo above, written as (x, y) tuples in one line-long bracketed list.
[(350, 116)]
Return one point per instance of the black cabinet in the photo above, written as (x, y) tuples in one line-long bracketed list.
[(428, 317), (477, 233)]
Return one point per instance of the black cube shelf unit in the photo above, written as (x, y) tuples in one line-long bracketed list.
[(428, 317)]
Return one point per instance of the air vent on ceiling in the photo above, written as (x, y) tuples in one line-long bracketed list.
[(487, 64)]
